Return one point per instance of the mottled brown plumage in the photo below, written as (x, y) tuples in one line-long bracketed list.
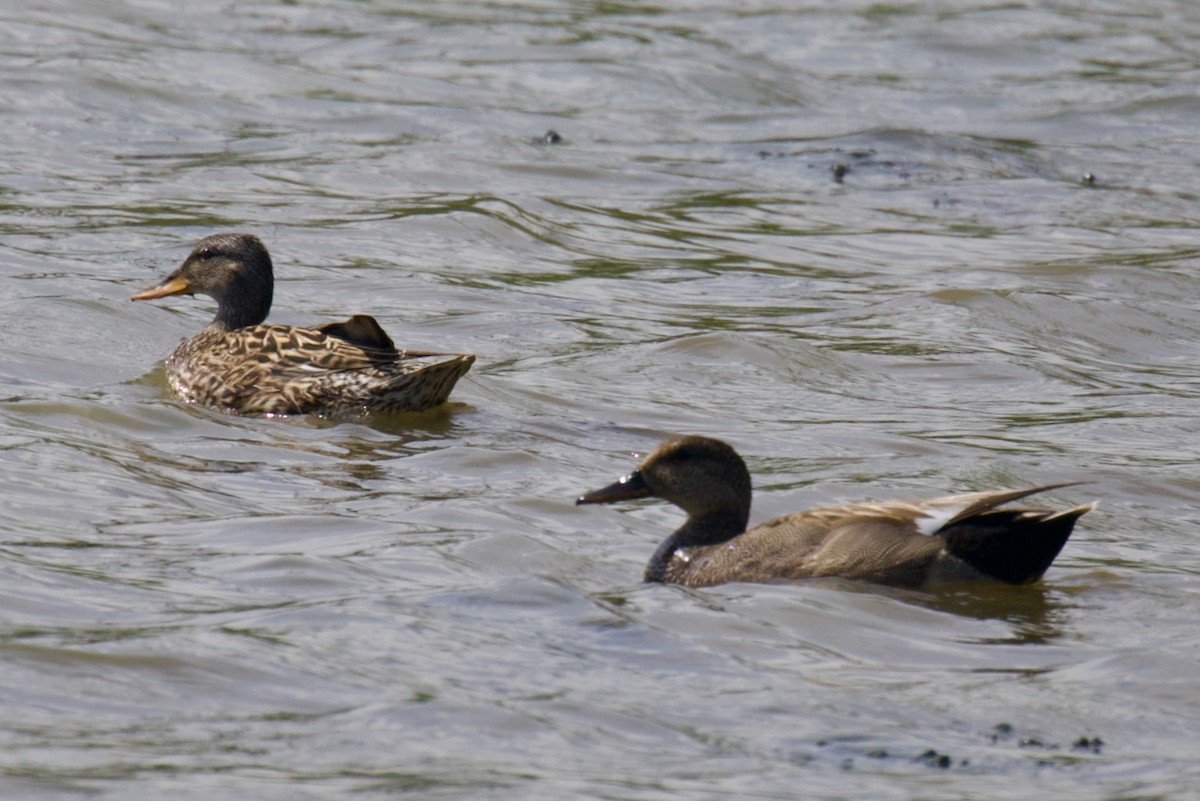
[(240, 364), (954, 538)]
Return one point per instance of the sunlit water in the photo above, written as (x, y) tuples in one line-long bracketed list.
[(856, 240)]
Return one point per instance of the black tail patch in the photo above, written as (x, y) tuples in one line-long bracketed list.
[(1015, 546)]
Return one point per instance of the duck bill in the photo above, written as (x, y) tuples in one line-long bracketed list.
[(174, 285), (630, 487)]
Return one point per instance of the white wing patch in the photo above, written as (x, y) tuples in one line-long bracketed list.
[(932, 520)]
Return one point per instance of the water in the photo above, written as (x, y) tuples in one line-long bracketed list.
[(193, 604)]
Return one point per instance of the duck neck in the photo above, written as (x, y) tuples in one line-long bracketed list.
[(248, 306), (710, 528)]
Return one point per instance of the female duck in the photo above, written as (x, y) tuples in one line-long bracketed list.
[(240, 364), (955, 538)]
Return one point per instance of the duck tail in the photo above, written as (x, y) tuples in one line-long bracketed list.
[(1014, 546), (427, 386)]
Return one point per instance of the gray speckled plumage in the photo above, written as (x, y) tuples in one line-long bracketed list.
[(953, 538), (240, 364)]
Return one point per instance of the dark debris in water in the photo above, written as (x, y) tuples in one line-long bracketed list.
[(929, 757), (935, 760), (847, 161), (850, 749), (1093, 744), (1005, 731)]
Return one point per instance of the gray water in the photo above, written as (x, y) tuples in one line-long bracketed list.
[(854, 239)]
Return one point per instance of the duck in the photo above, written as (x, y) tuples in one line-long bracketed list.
[(240, 364), (918, 544)]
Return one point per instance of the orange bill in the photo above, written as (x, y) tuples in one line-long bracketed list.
[(174, 285)]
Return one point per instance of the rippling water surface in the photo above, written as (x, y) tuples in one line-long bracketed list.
[(856, 240)]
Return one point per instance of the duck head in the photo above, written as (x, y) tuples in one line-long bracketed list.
[(233, 269), (703, 476)]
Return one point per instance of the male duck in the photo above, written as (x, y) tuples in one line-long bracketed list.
[(955, 538), (240, 364)]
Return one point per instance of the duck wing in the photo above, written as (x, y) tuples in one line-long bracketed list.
[(361, 329), (291, 352), (853, 542)]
